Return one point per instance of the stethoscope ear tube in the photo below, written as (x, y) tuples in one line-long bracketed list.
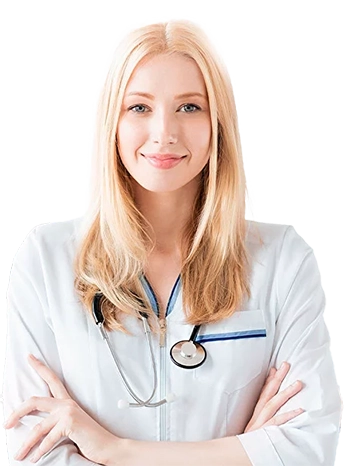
[(98, 316), (96, 309)]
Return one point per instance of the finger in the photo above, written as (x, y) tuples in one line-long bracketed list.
[(49, 441), (284, 417), (273, 383), (40, 429), (278, 375), (278, 401), (282, 371), (33, 403), (282, 397), (271, 375), (57, 388), (269, 390)]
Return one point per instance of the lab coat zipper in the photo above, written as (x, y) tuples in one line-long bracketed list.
[(164, 407)]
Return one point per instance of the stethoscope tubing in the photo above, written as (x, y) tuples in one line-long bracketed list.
[(126, 383), (99, 320)]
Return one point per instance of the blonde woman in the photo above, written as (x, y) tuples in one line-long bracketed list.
[(160, 319)]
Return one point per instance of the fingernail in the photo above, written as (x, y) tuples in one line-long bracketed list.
[(34, 458), (18, 454), (299, 410)]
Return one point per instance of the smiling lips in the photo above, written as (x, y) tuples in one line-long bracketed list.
[(164, 160), (163, 156)]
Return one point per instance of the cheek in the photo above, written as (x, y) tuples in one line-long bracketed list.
[(129, 135), (199, 137)]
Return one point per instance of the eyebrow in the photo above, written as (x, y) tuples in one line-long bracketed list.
[(179, 96)]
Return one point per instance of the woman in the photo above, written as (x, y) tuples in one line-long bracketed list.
[(165, 243)]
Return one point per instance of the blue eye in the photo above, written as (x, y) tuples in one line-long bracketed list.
[(186, 108), (191, 106), (138, 106)]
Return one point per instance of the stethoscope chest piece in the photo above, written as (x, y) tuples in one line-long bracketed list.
[(188, 354)]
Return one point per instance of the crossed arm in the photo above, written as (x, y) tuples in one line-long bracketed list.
[(226, 451), (99, 446), (96, 444)]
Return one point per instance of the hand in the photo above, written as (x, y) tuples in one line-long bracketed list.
[(270, 401), (66, 419)]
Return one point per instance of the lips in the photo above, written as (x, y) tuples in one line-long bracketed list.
[(164, 161), (164, 156)]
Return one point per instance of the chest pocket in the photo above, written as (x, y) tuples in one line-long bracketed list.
[(235, 351)]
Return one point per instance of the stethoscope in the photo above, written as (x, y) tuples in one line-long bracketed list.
[(187, 354)]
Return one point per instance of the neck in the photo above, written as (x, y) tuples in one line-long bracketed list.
[(168, 213)]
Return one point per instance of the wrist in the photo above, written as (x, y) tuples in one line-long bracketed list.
[(117, 452)]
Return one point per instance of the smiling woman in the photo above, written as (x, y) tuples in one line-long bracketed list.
[(163, 297), (160, 129)]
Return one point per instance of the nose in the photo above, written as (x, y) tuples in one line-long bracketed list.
[(164, 128)]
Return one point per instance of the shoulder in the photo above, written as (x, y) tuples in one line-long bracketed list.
[(276, 239), (56, 233), (267, 233), (48, 239)]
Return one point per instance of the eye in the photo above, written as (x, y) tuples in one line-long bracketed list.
[(190, 108), (187, 108), (139, 108)]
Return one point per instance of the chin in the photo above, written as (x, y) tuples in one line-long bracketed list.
[(158, 187)]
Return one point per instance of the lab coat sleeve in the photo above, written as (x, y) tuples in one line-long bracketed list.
[(302, 339), (28, 331)]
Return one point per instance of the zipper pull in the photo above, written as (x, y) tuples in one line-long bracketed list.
[(162, 324)]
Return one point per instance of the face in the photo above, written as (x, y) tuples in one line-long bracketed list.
[(164, 129)]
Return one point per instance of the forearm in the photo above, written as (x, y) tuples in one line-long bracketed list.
[(226, 451)]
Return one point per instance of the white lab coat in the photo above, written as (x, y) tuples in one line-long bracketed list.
[(283, 320)]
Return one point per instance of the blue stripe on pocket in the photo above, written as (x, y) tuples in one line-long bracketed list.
[(232, 335)]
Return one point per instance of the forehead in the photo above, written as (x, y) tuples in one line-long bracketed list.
[(173, 72)]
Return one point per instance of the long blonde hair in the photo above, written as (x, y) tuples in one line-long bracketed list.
[(114, 245)]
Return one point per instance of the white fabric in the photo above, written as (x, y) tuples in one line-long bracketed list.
[(215, 400)]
